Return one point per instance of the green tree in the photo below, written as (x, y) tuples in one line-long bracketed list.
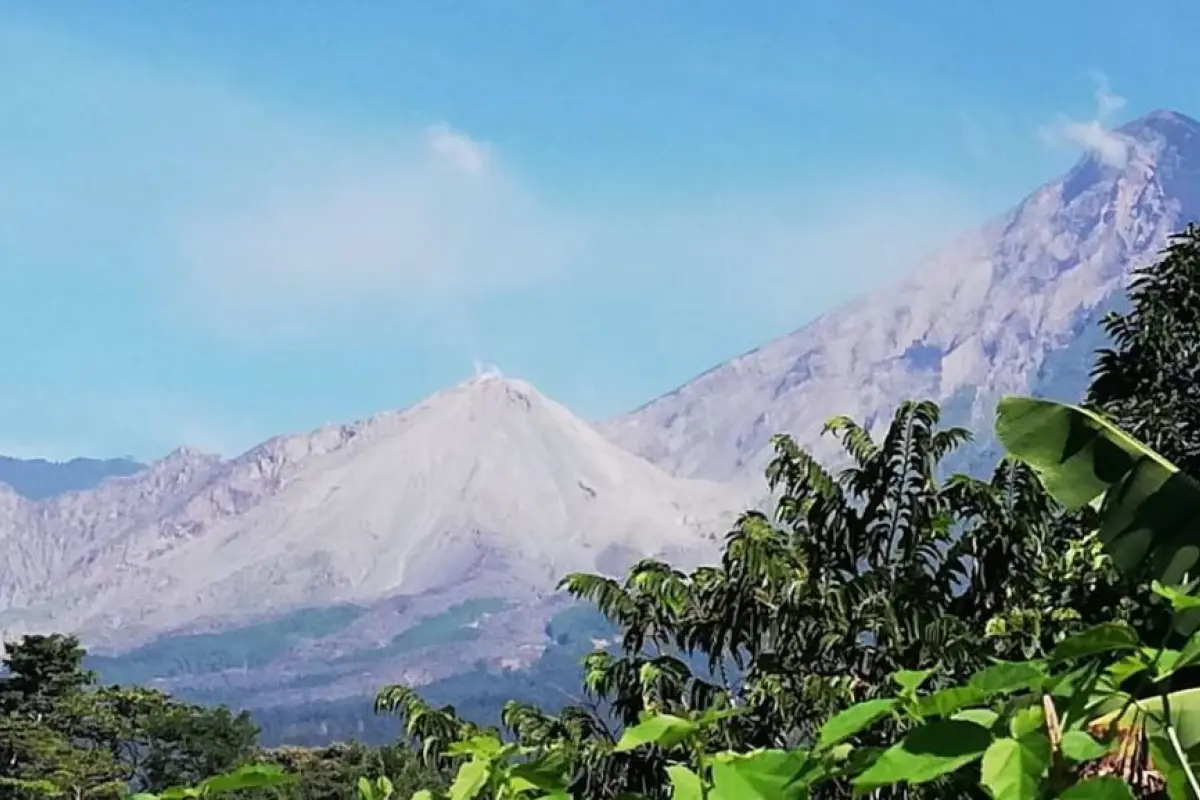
[(1146, 381), (44, 750), (38, 761), (40, 672), (53, 712), (162, 742), (332, 772)]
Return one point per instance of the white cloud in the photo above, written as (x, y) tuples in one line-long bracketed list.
[(216, 213), (1111, 148), (264, 223), (1094, 135), (431, 219), (1107, 103), (258, 219), (457, 149)]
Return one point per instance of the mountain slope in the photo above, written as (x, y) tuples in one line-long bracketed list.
[(984, 317), (37, 479), (484, 490)]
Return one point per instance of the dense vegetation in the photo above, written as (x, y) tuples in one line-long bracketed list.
[(63, 734), (256, 645), (885, 631)]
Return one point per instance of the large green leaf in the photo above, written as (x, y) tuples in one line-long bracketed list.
[(1188, 656), (486, 747), (664, 730), (1106, 788), (250, 776), (1150, 512), (984, 717), (1027, 720), (1012, 769), (1184, 717), (1103, 638), (1009, 676), (909, 680), (685, 784), (854, 719), (547, 772), (945, 702), (926, 753), (180, 793), (472, 777), (1080, 746), (1168, 764), (763, 775)]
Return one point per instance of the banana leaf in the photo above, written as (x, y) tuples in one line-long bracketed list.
[(1175, 766), (1149, 510), (1184, 717)]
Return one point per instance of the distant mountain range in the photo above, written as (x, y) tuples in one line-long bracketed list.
[(37, 478), (468, 508), (425, 544)]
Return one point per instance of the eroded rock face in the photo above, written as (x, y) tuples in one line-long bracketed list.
[(978, 320)]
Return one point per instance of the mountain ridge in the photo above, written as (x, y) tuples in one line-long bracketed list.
[(976, 320), (487, 483)]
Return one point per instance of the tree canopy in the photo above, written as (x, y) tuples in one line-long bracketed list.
[(1148, 380)]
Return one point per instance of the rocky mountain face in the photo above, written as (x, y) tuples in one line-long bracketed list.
[(485, 491), (1008, 308)]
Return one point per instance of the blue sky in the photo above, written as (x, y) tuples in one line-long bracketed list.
[(221, 221)]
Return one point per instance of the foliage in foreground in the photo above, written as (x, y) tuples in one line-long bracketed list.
[(891, 634), (63, 735), (1030, 729), (1095, 715)]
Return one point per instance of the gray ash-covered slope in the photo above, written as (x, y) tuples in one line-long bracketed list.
[(1008, 308), (486, 490)]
